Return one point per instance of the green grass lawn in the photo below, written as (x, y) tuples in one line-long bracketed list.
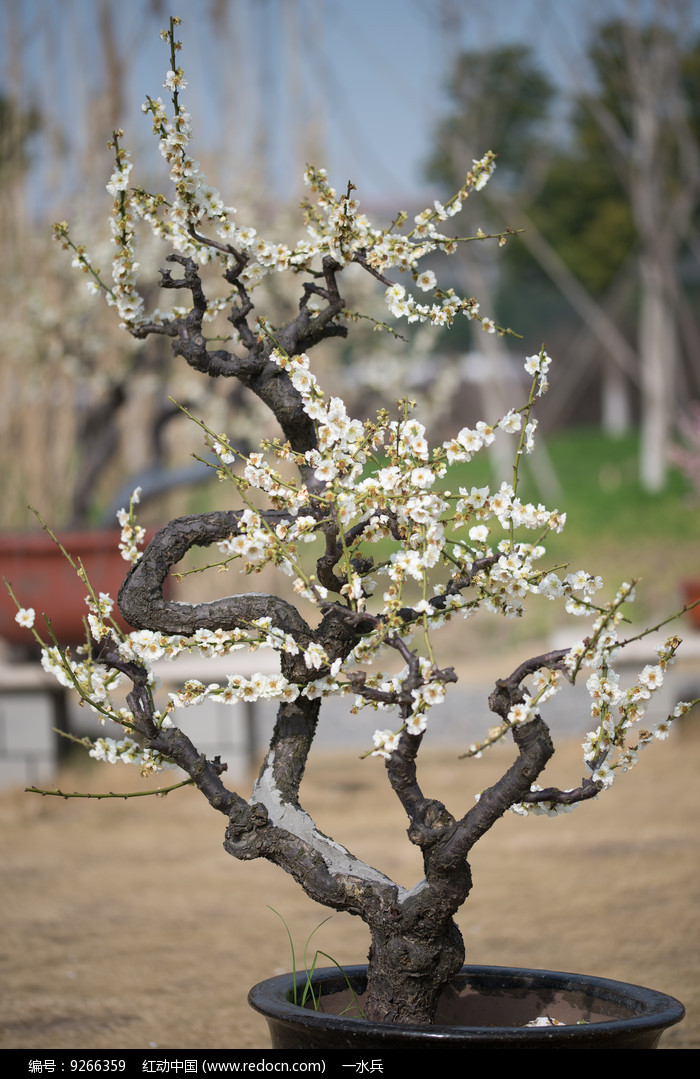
[(601, 491)]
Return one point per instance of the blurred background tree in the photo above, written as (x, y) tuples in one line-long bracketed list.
[(609, 207)]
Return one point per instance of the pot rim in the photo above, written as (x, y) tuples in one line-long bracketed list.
[(656, 1010)]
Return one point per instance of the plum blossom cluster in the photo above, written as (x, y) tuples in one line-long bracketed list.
[(127, 751), (392, 497), (125, 268), (122, 293), (335, 227), (195, 200), (339, 230), (94, 682), (379, 481), (132, 534), (371, 500), (619, 714), (97, 682)]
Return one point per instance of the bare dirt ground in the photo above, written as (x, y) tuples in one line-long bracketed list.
[(125, 924)]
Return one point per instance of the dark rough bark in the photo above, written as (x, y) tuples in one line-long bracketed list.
[(408, 968), (141, 595)]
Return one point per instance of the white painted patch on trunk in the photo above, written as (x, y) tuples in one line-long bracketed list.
[(340, 862)]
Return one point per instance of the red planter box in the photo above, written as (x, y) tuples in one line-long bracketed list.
[(691, 593), (42, 578)]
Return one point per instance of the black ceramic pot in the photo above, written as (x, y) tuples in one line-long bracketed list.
[(485, 1006)]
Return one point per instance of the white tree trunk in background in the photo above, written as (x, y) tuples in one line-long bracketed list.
[(659, 166), (615, 410), (658, 353)]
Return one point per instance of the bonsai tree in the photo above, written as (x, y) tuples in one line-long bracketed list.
[(361, 519)]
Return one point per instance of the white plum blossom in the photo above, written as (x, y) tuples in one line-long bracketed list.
[(426, 280), (479, 534), (422, 477), (520, 713), (315, 656), (416, 723), (530, 429), (25, 617), (511, 422), (386, 742), (652, 677), (483, 171)]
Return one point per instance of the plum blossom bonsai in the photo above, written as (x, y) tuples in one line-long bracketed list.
[(315, 503)]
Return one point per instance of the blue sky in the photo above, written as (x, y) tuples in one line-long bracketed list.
[(358, 86)]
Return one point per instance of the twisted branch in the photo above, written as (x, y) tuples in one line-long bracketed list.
[(141, 598)]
